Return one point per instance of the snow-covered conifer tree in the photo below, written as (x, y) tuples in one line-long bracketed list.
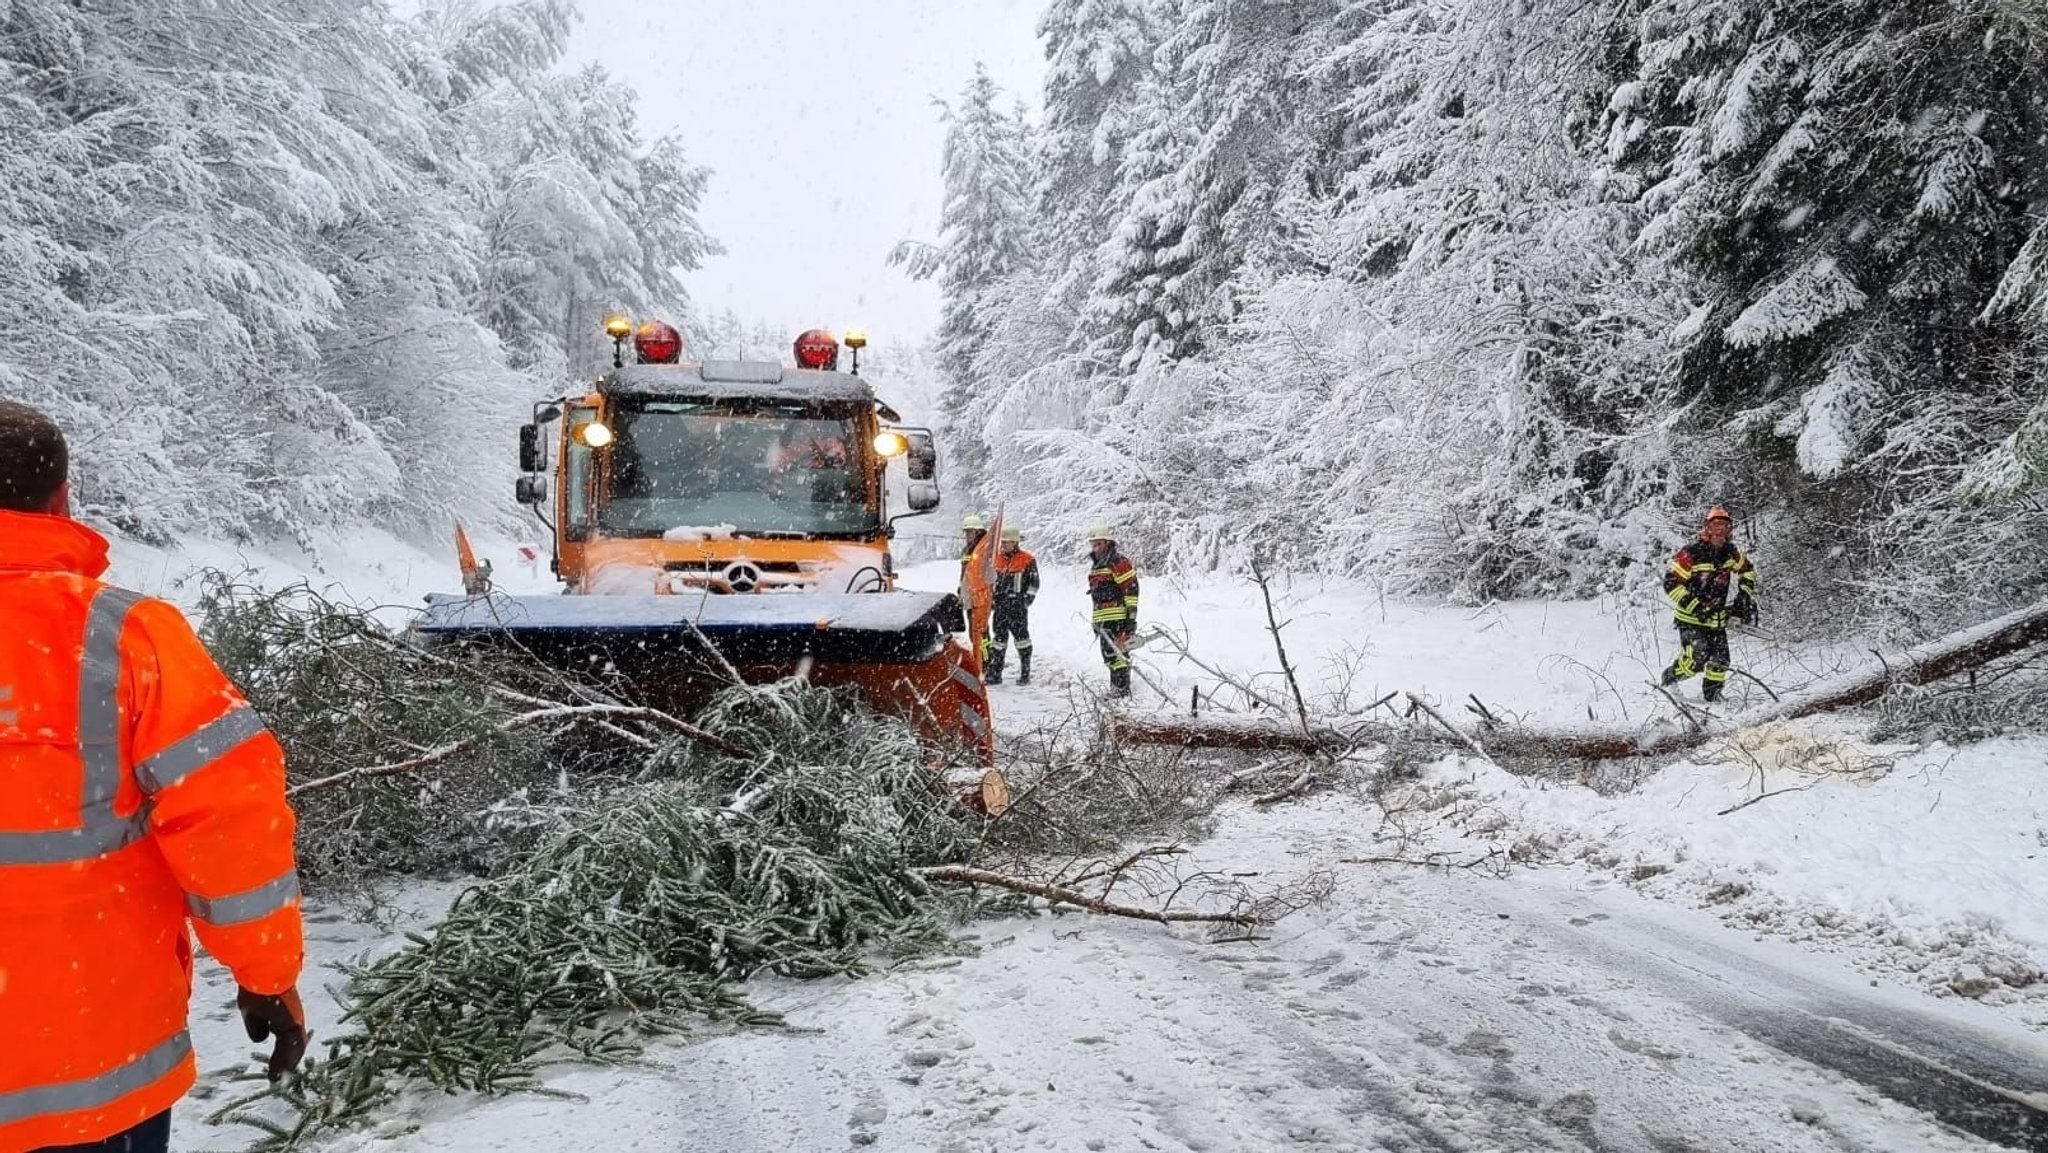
[(1201, 175), (1854, 180), (984, 237)]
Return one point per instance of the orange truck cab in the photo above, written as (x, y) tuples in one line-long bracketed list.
[(730, 517)]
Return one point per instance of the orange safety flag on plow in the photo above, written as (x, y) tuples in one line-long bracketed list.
[(138, 791)]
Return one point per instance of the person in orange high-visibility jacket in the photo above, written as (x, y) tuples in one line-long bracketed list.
[(1016, 587), (977, 585), (138, 794)]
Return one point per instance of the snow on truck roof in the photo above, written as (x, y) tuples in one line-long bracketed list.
[(736, 380)]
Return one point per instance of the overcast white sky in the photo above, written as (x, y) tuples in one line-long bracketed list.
[(817, 119)]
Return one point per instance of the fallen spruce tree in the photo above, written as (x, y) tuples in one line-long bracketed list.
[(634, 867), (1959, 652), (636, 914)]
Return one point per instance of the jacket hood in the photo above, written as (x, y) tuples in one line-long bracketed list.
[(41, 542)]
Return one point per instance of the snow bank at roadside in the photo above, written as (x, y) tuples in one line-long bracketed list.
[(1925, 864), (1929, 864), (365, 565)]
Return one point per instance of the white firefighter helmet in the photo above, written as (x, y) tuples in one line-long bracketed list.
[(1012, 533), (1101, 532), (972, 523)]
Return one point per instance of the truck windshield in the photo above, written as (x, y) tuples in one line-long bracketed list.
[(760, 468)]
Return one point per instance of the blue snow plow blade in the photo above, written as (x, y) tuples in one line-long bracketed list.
[(895, 627)]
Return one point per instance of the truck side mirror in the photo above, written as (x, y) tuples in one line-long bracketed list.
[(531, 490), (529, 448), (922, 460), (923, 496)]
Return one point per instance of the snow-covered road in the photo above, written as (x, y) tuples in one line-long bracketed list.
[(1412, 1011), (1562, 1007)]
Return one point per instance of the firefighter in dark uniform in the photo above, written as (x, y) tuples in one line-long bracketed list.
[(1113, 596), (1708, 582), (1016, 588)]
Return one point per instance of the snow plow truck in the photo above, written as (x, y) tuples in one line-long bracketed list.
[(732, 518)]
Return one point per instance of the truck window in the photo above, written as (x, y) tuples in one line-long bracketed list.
[(576, 481), (755, 467)]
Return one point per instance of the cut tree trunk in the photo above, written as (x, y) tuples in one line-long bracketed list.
[(1922, 664), (1215, 732), (1919, 665)]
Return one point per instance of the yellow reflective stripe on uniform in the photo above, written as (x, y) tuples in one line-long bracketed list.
[(214, 740), (97, 1091), (1112, 613), (264, 899), (1127, 576), (99, 831)]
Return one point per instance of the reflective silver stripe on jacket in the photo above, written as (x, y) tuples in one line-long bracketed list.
[(264, 899), (99, 831), (97, 1091), (973, 721), (214, 740)]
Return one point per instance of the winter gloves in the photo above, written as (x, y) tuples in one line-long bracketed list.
[(265, 1014), (1744, 608)]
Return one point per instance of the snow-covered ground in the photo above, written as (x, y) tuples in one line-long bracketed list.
[(367, 566), (1563, 1005), (1925, 862)]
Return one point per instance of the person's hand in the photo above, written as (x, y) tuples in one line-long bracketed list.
[(280, 1015), (1744, 609)]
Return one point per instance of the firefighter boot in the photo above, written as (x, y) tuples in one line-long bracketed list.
[(1710, 691), (1120, 682), (992, 672), (1024, 667)]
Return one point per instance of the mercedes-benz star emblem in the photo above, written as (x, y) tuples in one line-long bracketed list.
[(742, 577)]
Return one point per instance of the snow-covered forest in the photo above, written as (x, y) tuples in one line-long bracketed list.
[(1477, 297), (1494, 297), (1400, 342), (283, 267)]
